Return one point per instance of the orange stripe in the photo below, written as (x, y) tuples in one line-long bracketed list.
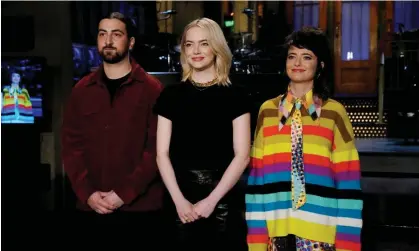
[(317, 160), (24, 106), (19, 105), (286, 157), (277, 158), (257, 238), (352, 165), (318, 131), (256, 163), (307, 130), (347, 245), (271, 130)]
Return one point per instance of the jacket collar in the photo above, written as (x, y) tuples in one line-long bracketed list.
[(312, 103)]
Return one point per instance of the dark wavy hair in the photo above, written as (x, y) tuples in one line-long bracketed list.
[(315, 40), (129, 23)]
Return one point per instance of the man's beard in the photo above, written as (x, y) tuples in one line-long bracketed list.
[(114, 56)]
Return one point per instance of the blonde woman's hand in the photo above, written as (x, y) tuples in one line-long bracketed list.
[(186, 211), (205, 207)]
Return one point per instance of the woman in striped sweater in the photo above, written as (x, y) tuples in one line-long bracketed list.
[(304, 186), (16, 103)]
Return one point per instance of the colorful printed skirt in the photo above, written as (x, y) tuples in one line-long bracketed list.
[(295, 243)]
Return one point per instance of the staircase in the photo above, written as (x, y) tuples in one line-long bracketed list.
[(363, 113)]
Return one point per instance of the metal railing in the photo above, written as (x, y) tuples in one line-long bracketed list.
[(402, 66), (399, 71)]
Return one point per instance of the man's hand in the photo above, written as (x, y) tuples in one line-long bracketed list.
[(97, 203), (113, 199)]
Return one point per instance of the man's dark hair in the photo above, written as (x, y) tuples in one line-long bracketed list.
[(315, 40), (129, 23)]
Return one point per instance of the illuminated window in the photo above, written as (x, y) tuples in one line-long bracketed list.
[(355, 30), (306, 13), (404, 14)]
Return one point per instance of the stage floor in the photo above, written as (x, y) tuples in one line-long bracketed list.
[(386, 146)]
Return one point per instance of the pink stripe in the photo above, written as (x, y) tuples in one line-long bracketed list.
[(286, 167), (351, 175), (256, 172), (257, 230), (348, 237)]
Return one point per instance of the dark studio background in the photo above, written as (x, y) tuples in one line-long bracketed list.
[(35, 190)]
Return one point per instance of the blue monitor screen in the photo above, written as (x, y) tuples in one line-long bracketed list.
[(22, 82), (85, 60)]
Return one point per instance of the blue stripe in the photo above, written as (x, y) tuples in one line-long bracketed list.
[(252, 207), (278, 205), (252, 180), (13, 117), (353, 184), (319, 180), (8, 110), (311, 199), (274, 197), (286, 176), (283, 205), (350, 213), (348, 230), (319, 210), (350, 204), (271, 178), (254, 198), (256, 223)]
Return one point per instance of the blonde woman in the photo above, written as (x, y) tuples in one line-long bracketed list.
[(203, 139)]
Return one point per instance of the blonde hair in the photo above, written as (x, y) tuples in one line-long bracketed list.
[(219, 47)]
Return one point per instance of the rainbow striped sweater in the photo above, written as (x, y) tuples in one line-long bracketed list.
[(333, 210), (16, 106)]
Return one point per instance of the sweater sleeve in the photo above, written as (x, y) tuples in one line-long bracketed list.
[(346, 167), (257, 237)]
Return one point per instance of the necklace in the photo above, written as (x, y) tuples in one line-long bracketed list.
[(203, 86)]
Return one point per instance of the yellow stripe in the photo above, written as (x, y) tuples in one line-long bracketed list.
[(316, 149), (258, 247), (302, 228), (257, 153), (308, 148), (270, 104), (320, 141), (327, 123), (309, 139), (277, 138), (343, 156), (271, 121), (307, 120), (284, 147)]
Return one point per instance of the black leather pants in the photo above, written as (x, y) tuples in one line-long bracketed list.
[(220, 231)]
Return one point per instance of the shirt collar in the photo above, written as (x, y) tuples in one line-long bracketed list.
[(312, 103)]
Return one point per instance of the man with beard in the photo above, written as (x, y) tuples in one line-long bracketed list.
[(108, 141)]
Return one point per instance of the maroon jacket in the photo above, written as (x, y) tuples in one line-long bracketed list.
[(112, 146)]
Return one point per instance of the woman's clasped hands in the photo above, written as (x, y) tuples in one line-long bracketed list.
[(189, 212)]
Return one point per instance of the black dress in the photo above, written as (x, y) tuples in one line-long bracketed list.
[(201, 149)]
